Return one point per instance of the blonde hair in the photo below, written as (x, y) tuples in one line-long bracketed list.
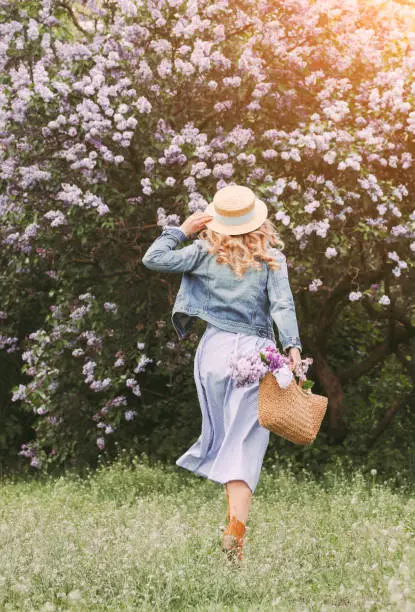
[(246, 250)]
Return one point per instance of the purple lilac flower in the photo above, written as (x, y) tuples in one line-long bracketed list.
[(87, 297), (274, 358), (88, 370), (143, 105), (19, 394), (251, 367), (283, 217), (330, 252), (246, 369), (58, 218), (27, 450), (141, 366), (197, 202), (11, 341), (100, 385), (146, 185), (120, 400), (78, 313), (384, 300), (33, 30), (224, 171), (315, 284)]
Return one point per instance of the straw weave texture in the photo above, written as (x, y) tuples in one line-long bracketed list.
[(292, 413)]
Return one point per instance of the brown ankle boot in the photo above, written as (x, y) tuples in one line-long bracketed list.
[(233, 539)]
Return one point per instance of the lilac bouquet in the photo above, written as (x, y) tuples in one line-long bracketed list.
[(250, 367)]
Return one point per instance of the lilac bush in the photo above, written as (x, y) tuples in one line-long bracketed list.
[(116, 117), (75, 344)]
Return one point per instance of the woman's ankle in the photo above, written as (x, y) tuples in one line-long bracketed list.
[(235, 527), (239, 499)]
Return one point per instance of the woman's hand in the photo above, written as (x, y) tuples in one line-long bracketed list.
[(294, 356), (195, 222)]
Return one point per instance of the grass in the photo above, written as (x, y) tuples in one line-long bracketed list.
[(148, 538)]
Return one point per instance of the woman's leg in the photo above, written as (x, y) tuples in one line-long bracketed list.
[(239, 499), (228, 511)]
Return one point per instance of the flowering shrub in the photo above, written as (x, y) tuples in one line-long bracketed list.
[(120, 116), (78, 343)]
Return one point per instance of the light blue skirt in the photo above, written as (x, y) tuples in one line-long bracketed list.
[(232, 443)]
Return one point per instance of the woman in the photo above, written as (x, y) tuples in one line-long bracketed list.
[(234, 278)]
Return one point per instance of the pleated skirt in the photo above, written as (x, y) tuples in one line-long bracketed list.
[(232, 443)]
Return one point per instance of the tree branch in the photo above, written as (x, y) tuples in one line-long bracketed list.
[(383, 424), (69, 9), (343, 287), (377, 355)]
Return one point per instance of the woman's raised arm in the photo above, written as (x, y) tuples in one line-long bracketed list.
[(162, 256)]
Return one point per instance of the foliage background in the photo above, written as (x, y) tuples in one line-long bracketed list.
[(118, 117)]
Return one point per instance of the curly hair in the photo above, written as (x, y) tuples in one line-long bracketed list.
[(246, 250)]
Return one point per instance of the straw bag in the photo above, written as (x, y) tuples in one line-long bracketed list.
[(292, 413)]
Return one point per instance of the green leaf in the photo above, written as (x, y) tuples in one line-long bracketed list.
[(264, 359), (307, 384)]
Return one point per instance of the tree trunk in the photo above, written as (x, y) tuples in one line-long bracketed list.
[(332, 386)]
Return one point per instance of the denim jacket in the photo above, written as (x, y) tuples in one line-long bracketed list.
[(213, 292)]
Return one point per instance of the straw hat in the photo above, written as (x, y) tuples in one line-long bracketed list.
[(236, 210)]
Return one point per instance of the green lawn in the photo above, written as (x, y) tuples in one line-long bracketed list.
[(145, 538)]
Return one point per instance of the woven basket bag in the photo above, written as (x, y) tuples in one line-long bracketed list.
[(292, 413)]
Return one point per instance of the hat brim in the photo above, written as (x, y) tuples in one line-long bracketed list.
[(260, 214)]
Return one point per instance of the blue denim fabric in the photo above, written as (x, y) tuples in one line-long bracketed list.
[(212, 291)]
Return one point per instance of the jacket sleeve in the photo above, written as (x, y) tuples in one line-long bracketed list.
[(282, 304), (161, 255)]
